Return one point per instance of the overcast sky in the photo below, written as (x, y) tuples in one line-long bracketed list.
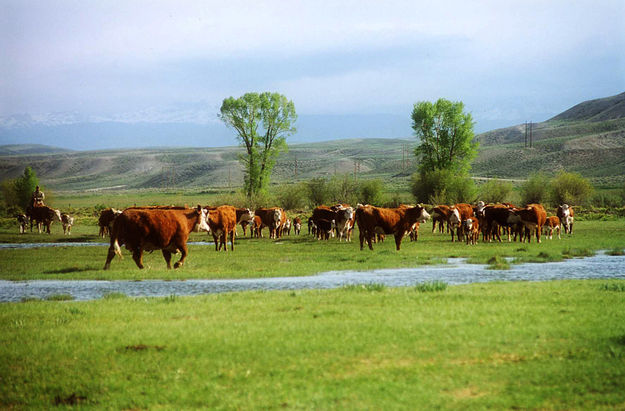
[(508, 61)]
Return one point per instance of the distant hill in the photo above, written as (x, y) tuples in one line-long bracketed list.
[(17, 149), (588, 138)]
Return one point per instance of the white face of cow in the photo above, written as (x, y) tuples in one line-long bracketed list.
[(424, 216), (277, 217), (468, 224), (454, 217), (565, 211), (247, 216), (202, 224)]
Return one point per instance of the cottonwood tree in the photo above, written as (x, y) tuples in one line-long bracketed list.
[(271, 113), (446, 147), (445, 133)]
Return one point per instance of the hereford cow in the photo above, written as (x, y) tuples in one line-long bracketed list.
[(245, 217), (67, 222), (552, 224), (107, 216), (345, 218), (471, 229), (222, 221), (297, 225), (312, 228), (272, 218), (257, 227), (284, 221), (414, 232), (566, 215), (323, 212), (146, 229), (533, 217), (495, 217), (440, 214), (287, 227), (374, 220), (325, 229), (22, 220), (458, 213), (43, 215)]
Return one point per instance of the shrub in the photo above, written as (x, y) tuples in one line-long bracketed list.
[(318, 192), (371, 192), (443, 187), (495, 191), (570, 188), (344, 189), (535, 189), (291, 196), (606, 200)]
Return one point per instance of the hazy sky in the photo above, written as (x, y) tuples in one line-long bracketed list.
[(509, 61)]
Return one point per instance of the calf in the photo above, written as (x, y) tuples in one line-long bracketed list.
[(440, 214), (345, 223), (566, 215), (148, 229), (297, 225), (376, 220), (312, 227), (67, 222), (22, 220), (245, 217), (257, 227), (272, 218), (458, 213), (325, 229), (552, 224), (471, 229)]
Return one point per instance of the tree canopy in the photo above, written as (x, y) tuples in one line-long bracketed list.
[(445, 132), (275, 116)]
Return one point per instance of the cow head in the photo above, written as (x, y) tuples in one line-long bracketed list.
[(467, 224), (247, 216), (277, 217), (454, 217), (202, 221), (58, 214)]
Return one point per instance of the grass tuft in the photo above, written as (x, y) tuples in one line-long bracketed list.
[(114, 296), (431, 286), (620, 287), (30, 299), (577, 252), (60, 297), (498, 263), (616, 251), (371, 287)]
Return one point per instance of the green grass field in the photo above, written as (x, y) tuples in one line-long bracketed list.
[(289, 256), (554, 345)]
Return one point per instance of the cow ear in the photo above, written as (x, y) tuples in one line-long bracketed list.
[(199, 209)]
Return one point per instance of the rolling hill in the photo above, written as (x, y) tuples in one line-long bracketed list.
[(588, 138)]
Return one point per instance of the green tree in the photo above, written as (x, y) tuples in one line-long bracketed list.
[(274, 115), (24, 187), (570, 188), (371, 192), (445, 133)]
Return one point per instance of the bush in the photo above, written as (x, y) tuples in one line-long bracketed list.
[(291, 196), (318, 192), (443, 187), (371, 192), (606, 200), (570, 188), (535, 189), (344, 189), (495, 191)]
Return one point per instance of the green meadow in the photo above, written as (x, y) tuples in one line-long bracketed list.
[(526, 345)]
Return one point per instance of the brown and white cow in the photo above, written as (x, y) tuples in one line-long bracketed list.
[(245, 217), (552, 224), (495, 217), (440, 214), (272, 218), (345, 219), (284, 221), (376, 220), (458, 213), (105, 221), (471, 229), (68, 222), (287, 227), (323, 212), (148, 229), (222, 221), (566, 215), (22, 221), (257, 227), (533, 217), (43, 215), (297, 225)]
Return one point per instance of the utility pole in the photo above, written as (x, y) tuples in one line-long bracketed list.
[(531, 136), (526, 134)]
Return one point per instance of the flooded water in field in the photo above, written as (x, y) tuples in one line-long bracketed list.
[(601, 266)]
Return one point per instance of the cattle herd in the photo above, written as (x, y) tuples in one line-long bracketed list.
[(167, 228)]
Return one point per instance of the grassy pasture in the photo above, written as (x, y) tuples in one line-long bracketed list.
[(292, 255), (553, 345)]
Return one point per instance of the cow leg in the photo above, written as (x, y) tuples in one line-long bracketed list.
[(167, 257), (538, 230), (398, 238), (216, 241), (232, 234), (137, 255), (183, 254)]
